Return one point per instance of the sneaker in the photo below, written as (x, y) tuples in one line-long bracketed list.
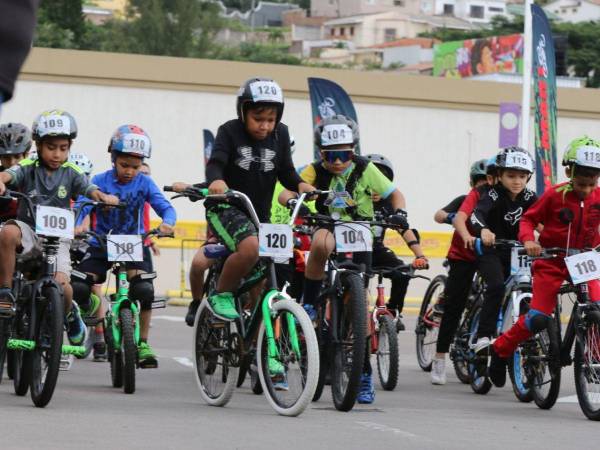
[(481, 346), (94, 305), (190, 317), (76, 329), (438, 371), (223, 305), (366, 396), (497, 369), (482, 352), (7, 303), (66, 361), (399, 324), (278, 375), (146, 356), (100, 353), (311, 311), (438, 309)]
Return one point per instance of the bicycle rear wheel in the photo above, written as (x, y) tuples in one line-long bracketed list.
[(387, 353), (4, 334), (427, 325), (348, 349), (459, 351), (297, 351), (45, 358), (323, 339), (215, 375), (544, 371), (128, 349), (518, 377), (587, 368)]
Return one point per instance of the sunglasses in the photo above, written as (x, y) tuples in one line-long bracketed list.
[(343, 155)]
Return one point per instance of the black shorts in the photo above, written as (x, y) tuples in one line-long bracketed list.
[(95, 262), (230, 225)]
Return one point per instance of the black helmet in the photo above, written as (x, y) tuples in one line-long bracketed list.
[(15, 139), (259, 90), (383, 164), (336, 130)]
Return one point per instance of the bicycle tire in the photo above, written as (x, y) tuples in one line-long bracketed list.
[(114, 355), (324, 354), (518, 379), (305, 366), (4, 325), (128, 349), (255, 385), (426, 335), (215, 376), (548, 341), (49, 339), (351, 317), (587, 367), (20, 360), (387, 367), (479, 384), (459, 350)]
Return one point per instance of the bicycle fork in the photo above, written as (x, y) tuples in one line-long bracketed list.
[(122, 301), (272, 349)]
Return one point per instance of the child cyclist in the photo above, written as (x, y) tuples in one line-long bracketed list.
[(55, 183), (128, 146), (384, 256), (461, 263), (15, 142), (353, 180), (581, 196), (497, 215)]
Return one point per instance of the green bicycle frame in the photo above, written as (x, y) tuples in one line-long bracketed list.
[(122, 296), (267, 314)]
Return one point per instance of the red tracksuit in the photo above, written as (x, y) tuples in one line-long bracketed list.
[(549, 274)]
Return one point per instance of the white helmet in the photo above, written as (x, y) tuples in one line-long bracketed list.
[(82, 161)]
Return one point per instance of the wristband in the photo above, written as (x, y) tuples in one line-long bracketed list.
[(411, 243)]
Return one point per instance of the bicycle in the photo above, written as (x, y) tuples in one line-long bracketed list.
[(517, 294), (384, 337), (280, 327), (36, 330), (547, 351)]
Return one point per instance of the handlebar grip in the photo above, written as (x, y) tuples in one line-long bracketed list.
[(478, 247), (168, 189)]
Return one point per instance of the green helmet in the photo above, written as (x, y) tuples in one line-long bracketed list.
[(584, 152), (478, 170)]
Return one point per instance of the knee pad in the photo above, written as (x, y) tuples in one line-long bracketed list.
[(81, 291), (142, 290), (536, 321)]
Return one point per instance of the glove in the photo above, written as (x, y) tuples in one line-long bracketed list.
[(449, 218), (420, 262), (291, 204), (400, 218)]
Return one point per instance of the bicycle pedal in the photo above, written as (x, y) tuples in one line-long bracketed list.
[(153, 364)]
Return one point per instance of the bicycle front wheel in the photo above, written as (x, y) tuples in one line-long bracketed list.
[(128, 349), (480, 383), (544, 372), (587, 368), (427, 324), (45, 358), (4, 333), (215, 375), (349, 346), (291, 387), (387, 353)]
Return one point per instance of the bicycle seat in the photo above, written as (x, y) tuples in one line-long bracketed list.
[(216, 251)]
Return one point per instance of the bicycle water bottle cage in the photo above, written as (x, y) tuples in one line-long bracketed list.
[(216, 251)]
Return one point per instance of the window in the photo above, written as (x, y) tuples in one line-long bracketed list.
[(342, 31), (495, 9), (477, 12), (398, 2), (448, 9), (351, 31), (389, 34), (333, 31)]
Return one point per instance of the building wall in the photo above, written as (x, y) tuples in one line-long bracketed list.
[(574, 11), (462, 8), (343, 8), (431, 128)]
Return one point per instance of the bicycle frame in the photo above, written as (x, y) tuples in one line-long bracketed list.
[(574, 328)]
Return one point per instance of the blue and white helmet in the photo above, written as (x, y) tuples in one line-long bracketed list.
[(83, 162), (131, 140)]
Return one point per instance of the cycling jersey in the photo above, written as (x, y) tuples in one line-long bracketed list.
[(500, 214), (371, 180), (454, 205), (457, 250), (252, 167)]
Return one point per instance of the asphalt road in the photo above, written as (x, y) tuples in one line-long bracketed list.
[(166, 412)]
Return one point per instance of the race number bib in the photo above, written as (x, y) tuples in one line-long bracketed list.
[(275, 240), (55, 222), (583, 267), (588, 156), (519, 264), (54, 124), (266, 91), (136, 143), (124, 247), (519, 160), (336, 134), (353, 237)]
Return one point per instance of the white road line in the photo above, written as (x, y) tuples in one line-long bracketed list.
[(187, 362), (569, 399), (380, 427), (169, 318)]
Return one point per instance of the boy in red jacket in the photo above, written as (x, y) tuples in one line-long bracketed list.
[(581, 196)]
